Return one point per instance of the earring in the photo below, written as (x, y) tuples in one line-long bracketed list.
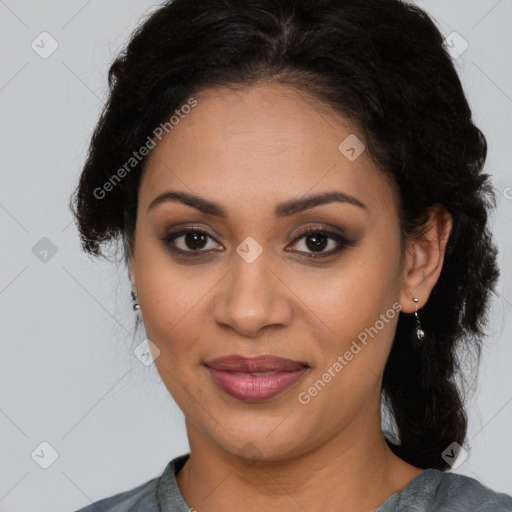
[(136, 306), (420, 334)]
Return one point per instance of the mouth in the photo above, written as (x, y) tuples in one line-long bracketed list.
[(254, 379)]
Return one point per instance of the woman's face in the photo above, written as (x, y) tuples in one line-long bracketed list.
[(248, 286)]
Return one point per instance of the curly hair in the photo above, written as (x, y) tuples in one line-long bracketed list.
[(383, 65)]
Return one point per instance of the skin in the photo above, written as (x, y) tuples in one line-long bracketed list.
[(248, 150)]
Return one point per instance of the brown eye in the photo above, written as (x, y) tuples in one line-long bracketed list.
[(194, 241), (317, 240)]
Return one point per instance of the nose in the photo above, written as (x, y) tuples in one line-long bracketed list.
[(251, 298)]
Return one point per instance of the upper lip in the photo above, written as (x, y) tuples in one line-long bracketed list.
[(255, 364)]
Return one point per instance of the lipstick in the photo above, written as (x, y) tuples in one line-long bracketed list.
[(254, 379)]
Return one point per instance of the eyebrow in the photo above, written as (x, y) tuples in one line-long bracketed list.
[(284, 209)]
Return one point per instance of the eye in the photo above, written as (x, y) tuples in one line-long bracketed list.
[(317, 240), (194, 240)]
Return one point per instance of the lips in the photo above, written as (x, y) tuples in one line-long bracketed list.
[(259, 364), (253, 379)]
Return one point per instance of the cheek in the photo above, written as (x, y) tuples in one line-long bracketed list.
[(351, 296), (173, 320), (172, 298), (174, 316), (353, 311)]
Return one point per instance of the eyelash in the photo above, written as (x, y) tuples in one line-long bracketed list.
[(340, 239)]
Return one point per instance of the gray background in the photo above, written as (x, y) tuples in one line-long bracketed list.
[(68, 375)]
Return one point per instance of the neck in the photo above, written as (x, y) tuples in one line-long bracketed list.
[(354, 471)]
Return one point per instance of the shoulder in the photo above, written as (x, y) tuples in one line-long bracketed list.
[(154, 495), (454, 492), (141, 498)]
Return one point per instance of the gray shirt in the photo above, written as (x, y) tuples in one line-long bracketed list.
[(430, 491)]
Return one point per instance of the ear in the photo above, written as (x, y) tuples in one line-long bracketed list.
[(424, 260)]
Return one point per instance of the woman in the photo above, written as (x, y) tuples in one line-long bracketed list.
[(298, 188)]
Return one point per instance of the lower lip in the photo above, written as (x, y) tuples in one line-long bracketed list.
[(255, 387)]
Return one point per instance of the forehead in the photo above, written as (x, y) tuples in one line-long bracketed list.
[(261, 143)]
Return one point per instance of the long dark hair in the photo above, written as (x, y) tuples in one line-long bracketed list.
[(383, 65)]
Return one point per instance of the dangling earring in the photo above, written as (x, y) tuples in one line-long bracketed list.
[(136, 306), (420, 334)]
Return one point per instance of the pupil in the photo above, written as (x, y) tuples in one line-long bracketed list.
[(195, 238), (317, 244)]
